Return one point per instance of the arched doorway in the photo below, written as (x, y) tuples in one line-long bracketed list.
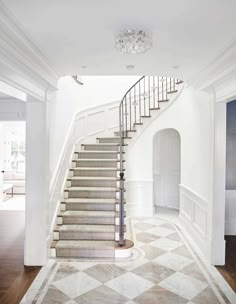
[(166, 169)]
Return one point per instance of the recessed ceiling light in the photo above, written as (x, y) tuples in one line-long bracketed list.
[(84, 66), (130, 67), (175, 67)]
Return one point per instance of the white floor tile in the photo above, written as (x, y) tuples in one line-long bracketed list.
[(166, 244), (183, 285), (173, 261), (161, 231), (130, 285), (76, 284)]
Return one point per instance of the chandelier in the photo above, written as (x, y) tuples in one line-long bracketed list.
[(135, 41)]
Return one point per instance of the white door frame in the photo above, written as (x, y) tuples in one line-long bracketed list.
[(157, 163)]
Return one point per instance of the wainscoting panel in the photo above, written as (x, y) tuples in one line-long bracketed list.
[(194, 218)]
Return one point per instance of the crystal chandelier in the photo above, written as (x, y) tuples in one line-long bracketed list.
[(134, 41)]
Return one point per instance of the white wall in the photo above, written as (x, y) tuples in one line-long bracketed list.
[(69, 119), (72, 98), (190, 115), (12, 110)]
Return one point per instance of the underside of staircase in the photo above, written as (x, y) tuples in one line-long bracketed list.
[(88, 223)]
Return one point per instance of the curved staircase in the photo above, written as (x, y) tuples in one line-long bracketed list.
[(91, 218)]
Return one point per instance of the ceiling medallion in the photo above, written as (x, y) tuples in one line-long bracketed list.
[(133, 42)]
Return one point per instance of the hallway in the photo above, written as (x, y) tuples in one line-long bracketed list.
[(163, 268)]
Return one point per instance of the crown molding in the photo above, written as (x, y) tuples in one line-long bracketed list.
[(22, 64), (219, 75)]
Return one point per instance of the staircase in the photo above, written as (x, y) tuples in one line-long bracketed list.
[(91, 219)]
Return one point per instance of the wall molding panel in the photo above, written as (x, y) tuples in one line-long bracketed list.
[(194, 215)]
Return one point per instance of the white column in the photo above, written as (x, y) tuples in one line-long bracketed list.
[(218, 197), (36, 183)]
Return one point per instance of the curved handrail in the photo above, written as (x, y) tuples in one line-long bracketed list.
[(144, 95)]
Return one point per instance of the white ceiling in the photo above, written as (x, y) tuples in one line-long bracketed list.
[(76, 33)]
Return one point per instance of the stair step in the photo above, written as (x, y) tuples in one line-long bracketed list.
[(84, 248), (115, 139), (145, 116), (91, 192), (105, 178), (89, 171), (91, 189), (88, 217), (90, 204), (81, 181), (171, 92), (152, 109), (86, 232), (96, 163), (163, 100), (103, 147), (88, 214)]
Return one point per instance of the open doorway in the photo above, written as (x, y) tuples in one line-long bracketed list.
[(13, 165), (229, 270), (166, 170)]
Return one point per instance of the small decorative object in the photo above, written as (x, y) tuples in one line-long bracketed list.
[(135, 41)]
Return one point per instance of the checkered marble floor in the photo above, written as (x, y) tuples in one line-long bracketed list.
[(163, 269)]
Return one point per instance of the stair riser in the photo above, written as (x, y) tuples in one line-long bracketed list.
[(100, 173), (94, 164), (87, 220), (97, 155), (108, 140), (88, 207), (101, 147), (79, 235), (94, 183), (90, 194), (84, 253)]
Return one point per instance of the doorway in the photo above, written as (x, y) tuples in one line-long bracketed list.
[(229, 269), (166, 169)]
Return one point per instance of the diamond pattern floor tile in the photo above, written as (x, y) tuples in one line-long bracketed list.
[(183, 251), (175, 237), (54, 295), (76, 284), (207, 296), (158, 295), (194, 271), (102, 295), (104, 272), (173, 261), (130, 285), (153, 272), (161, 231), (166, 244), (161, 271), (143, 226), (183, 285), (146, 237), (151, 252), (64, 270)]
